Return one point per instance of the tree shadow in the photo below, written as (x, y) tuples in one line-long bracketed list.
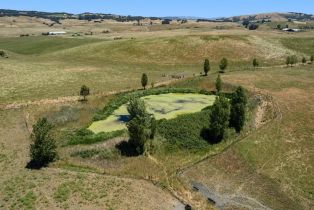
[(208, 135), (35, 165), (127, 149)]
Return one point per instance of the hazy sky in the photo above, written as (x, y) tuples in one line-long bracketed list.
[(199, 8)]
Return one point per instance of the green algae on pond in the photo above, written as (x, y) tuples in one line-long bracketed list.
[(163, 106)]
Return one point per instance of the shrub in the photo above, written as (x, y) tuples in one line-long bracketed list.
[(312, 58), (255, 63), (43, 149), (219, 118), (84, 92), (238, 107), (304, 60), (223, 64), (218, 84), (144, 81), (206, 67)]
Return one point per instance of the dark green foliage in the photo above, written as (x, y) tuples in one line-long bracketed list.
[(3, 54), (140, 125), (218, 84), (84, 92), (238, 108), (291, 60), (144, 81), (206, 67), (85, 136), (312, 58), (255, 63), (43, 149), (185, 131), (153, 128), (219, 119), (303, 60), (223, 64), (253, 26)]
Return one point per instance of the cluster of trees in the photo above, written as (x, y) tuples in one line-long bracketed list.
[(222, 66), (141, 125), (250, 25), (291, 60), (226, 114)]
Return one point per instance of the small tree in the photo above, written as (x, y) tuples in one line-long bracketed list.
[(223, 64), (206, 67), (304, 60), (255, 63), (288, 61), (142, 126), (218, 84), (219, 118), (238, 107), (43, 148), (84, 92), (312, 58), (293, 60), (144, 81)]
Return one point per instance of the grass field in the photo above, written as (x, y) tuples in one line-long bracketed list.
[(272, 165), (164, 106)]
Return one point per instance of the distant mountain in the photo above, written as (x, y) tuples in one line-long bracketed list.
[(57, 16)]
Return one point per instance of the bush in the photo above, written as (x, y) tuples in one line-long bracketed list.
[(43, 149), (219, 119), (255, 63), (84, 92), (218, 84), (223, 64)]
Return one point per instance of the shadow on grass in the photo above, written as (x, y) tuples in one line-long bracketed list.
[(35, 165), (127, 149)]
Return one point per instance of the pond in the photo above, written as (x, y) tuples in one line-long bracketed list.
[(163, 106)]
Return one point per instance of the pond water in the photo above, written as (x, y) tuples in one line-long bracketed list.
[(163, 106)]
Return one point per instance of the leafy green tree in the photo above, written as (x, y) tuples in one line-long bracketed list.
[(238, 107), (144, 81), (304, 60), (312, 58), (43, 148), (141, 126), (255, 63), (293, 60), (84, 92), (218, 84), (206, 67), (223, 64), (219, 118)]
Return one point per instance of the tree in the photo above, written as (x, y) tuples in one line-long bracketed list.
[(288, 60), (144, 81), (84, 92), (304, 60), (237, 111), (43, 148), (218, 84), (142, 126), (219, 118), (206, 67), (312, 58), (223, 64), (293, 60), (255, 63)]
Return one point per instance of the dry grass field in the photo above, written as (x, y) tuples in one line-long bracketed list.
[(270, 167)]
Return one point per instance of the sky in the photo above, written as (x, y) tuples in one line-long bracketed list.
[(162, 8)]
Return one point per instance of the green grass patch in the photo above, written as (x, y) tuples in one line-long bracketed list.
[(97, 153), (63, 192), (303, 45), (84, 136), (28, 200)]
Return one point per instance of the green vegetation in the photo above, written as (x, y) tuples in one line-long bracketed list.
[(85, 136), (291, 60), (238, 109), (162, 106), (84, 92), (144, 80), (100, 154), (29, 200), (255, 63), (206, 67), (140, 124), (223, 64), (304, 60), (218, 84), (219, 119), (43, 148)]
